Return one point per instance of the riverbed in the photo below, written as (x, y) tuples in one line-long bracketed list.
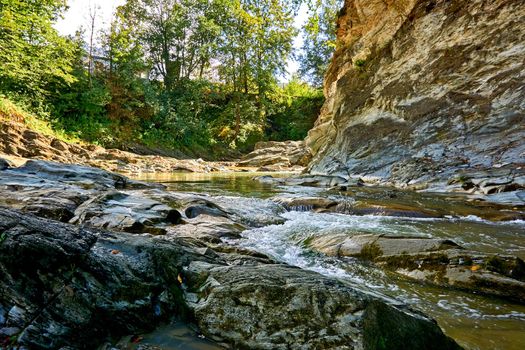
[(474, 321)]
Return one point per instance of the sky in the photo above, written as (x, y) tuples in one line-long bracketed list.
[(78, 15)]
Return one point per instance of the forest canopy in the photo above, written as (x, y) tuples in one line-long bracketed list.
[(203, 77)]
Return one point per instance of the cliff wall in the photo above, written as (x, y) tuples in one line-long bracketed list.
[(426, 92)]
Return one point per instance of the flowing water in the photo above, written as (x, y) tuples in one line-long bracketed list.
[(475, 321)]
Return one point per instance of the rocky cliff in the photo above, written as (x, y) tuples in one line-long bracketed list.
[(426, 91)]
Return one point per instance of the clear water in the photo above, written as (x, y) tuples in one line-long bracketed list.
[(475, 321)]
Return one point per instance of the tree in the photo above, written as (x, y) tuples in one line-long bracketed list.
[(34, 59), (319, 40), (257, 41), (178, 36)]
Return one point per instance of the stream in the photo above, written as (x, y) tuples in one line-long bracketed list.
[(474, 321)]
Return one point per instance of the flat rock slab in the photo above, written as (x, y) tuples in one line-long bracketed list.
[(372, 246), (435, 261), (496, 275)]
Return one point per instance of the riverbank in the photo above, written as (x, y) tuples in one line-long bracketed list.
[(120, 257), (83, 248)]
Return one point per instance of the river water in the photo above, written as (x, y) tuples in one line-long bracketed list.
[(474, 321)]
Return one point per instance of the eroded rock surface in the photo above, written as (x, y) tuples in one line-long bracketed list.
[(436, 261), (273, 307), (425, 93), (102, 275), (272, 156)]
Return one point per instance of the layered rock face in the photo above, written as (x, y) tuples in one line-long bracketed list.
[(426, 91), (275, 156)]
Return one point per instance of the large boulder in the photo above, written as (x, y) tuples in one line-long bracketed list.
[(63, 285), (281, 307)]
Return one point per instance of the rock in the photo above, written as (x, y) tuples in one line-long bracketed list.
[(411, 100), (57, 204), (126, 212), (16, 140), (81, 175), (351, 207), (4, 164), (275, 156), (280, 307), (372, 246), (55, 190), (68, 286), (495, 275), (306, 203), (436, 261), (303, 180), (64, 286)]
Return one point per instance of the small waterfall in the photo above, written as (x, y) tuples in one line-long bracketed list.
[(302, 208)]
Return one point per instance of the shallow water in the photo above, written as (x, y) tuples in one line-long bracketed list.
[(475, 321)]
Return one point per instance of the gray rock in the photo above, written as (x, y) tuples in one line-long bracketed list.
[(372, 246), (72, 286), (435, 261), (303, 180), (417, 94), (281, 307), (276, 155), (125, 212), (4, 164), (495, 275), (69, 286), (87, 177)]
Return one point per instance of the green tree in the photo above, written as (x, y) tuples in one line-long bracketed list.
[(34, 59), (257, 41), (319, 40)]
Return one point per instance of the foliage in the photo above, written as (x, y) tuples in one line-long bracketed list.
[(299, 108), (34, 58), (11, 112), (319, 40), (197, 76)]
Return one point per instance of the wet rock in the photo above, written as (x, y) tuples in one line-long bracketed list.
[(372, 246), (253, 212), (80, 175), (276, 156), (303, 180), (429, 260), (352, 207), (57, 204), (70, 286), (126, 212), (306, 203), (281, 307), (207, 228), (496, 275)]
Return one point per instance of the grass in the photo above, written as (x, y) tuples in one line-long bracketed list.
[(11, 112)]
